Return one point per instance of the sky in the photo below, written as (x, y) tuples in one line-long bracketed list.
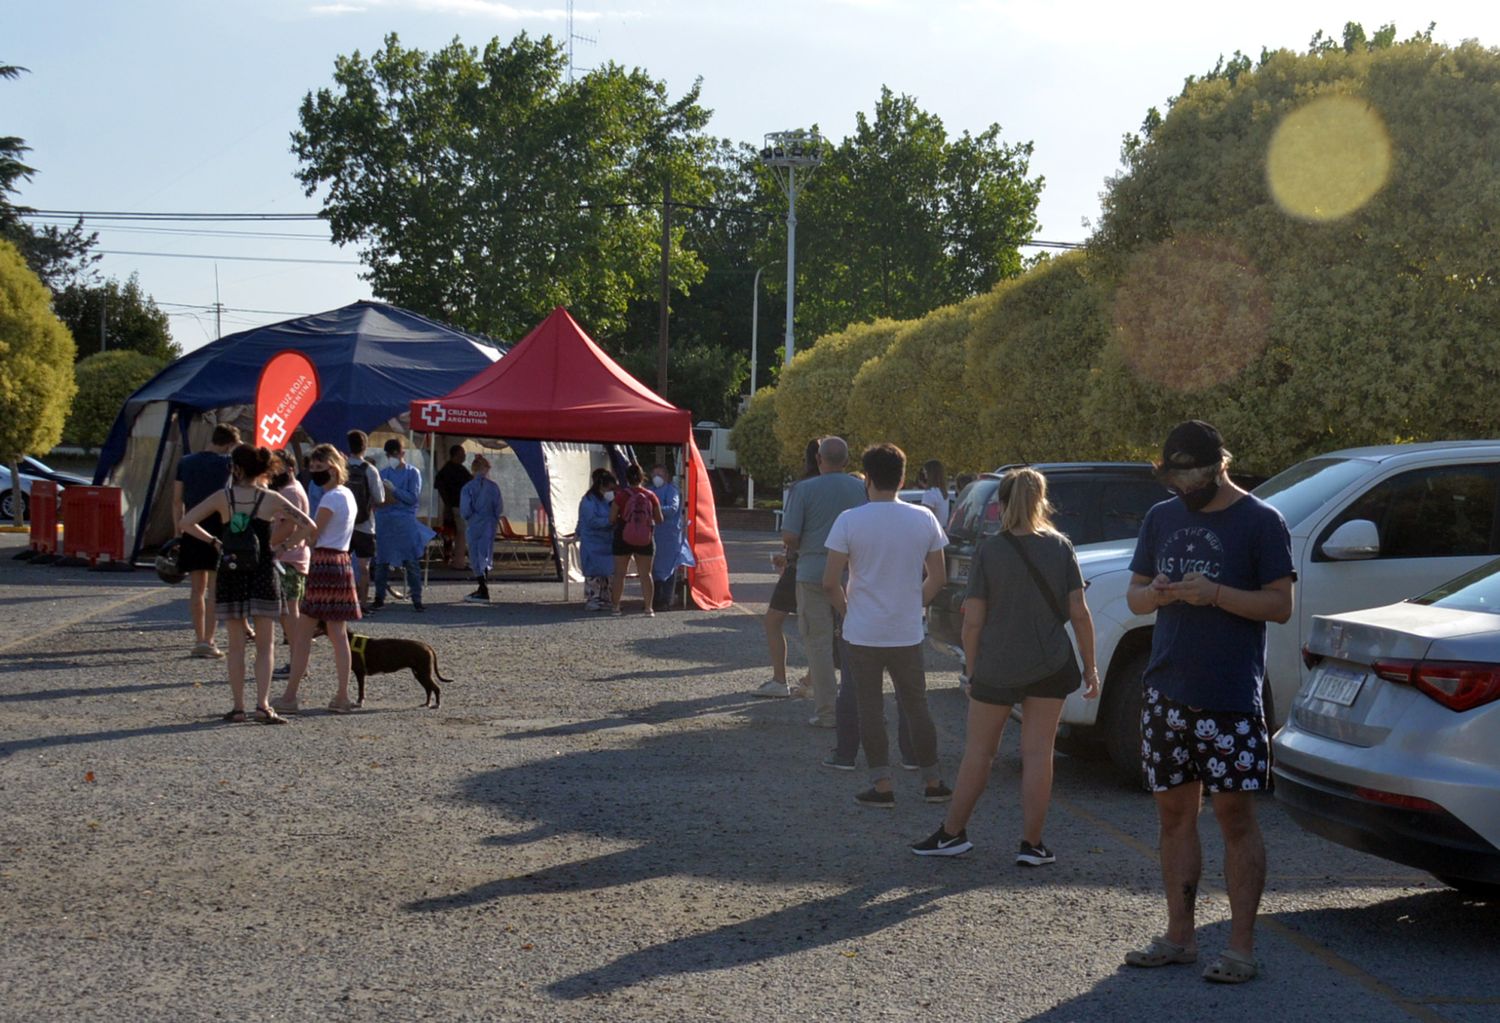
[(188, 105)]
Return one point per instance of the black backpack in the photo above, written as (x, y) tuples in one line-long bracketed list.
[(359, 486), (239, 550)]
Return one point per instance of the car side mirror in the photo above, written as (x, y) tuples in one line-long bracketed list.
[(1355, 540)]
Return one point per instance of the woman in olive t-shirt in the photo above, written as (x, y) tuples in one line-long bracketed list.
[(1017, 650)]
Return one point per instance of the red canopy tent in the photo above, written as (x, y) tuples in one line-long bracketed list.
[(558, 385)]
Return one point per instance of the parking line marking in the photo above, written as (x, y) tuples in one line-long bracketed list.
[(61, 626), (1412, 1006)]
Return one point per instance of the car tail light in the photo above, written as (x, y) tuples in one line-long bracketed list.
[(1457, 685), (1398, 801)]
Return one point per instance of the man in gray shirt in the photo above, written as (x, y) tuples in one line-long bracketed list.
[(810, 513)]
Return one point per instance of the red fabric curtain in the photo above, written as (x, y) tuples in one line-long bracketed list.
[(709, 581)]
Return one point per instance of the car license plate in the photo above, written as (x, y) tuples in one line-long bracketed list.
[(1338, 685)]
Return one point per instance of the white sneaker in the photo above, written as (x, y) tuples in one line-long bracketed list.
[(772, 690)]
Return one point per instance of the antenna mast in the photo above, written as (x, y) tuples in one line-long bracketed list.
[(572, 37)]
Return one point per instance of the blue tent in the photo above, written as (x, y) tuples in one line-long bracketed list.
[(372, 360)]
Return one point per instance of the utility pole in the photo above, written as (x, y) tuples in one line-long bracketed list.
[(754, 358), (218, 307), (666, 259), (103, 318)]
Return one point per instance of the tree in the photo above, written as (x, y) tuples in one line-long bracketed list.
[(755, 445), (485, 189), (132, 319), (813, 395), (900, 219), (105, 380), (36, 363), (1346, 282), (57, 255)]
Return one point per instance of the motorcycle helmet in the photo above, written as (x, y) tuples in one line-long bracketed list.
[(166, 562)]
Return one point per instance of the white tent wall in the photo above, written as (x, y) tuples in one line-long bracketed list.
[(569, 467)]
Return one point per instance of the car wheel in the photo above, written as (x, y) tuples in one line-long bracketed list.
[(1082, 744), (8, 511), (1122, 714), (1468, 886)]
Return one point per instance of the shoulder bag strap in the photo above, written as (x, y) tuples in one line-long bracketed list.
[(1036, 576)]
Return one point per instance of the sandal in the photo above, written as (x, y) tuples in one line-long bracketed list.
[(284, 705), (341, 707), (234, 717), (267, 716), (1161, 952), (1231, 968)]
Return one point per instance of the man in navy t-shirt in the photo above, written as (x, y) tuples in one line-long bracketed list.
[(1215, 564), (199, 476)]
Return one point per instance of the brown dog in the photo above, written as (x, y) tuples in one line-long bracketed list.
[(372, 656)]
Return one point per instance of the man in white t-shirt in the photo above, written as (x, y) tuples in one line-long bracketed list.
[(887, 545)]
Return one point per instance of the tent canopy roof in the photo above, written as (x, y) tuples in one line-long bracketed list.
[(557, 384), (371, 359)]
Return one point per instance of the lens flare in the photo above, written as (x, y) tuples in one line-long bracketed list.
[(1328, 158), (1191, 313)]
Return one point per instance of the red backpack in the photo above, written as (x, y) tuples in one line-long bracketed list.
[(639, 517)]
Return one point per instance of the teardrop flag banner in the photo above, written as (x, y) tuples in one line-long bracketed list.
[(287, 389)]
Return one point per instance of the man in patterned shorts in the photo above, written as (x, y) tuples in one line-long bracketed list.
[(1214, 564)]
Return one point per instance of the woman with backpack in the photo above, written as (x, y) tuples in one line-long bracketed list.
[(634, 517), (1024, 587), (247, 586)]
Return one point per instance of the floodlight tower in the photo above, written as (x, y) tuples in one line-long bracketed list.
[(785, 152)]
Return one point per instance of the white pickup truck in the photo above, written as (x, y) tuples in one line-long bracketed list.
[(1369, 526)]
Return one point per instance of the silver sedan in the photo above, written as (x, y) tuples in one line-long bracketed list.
[(1392, 745)]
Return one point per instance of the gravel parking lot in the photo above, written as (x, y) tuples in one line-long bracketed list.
[(599, 824)]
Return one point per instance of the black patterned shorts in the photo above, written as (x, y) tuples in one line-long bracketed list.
[(1229, 751)]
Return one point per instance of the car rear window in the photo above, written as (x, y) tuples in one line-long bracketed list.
[(972, 515), (1478, 590)]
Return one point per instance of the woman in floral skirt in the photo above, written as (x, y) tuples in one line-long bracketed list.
[(331, 597)]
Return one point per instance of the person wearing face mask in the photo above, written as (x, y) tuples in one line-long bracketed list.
[(1215, 564), (401, 537), (480, 505), (293, 559), (596, 540), (672, 549), (247, 588)]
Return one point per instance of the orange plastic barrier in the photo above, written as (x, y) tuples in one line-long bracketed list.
[(44, 517), (93, 525)]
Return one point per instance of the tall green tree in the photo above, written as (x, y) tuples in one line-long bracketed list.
[(901, 219), (36, 363), (132, 321), (485, 189), (59, 256), (105, 380)]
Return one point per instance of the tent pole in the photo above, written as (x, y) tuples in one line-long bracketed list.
[(431, 496)]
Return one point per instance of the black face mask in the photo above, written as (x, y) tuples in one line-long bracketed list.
[(321, 477), (1200, 498), (280, 480)]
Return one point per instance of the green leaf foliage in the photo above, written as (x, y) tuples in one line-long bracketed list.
[(132, 319), (1028, 357), (105, 380), (814, 392), (913, 394), (1296, 334), (36, 362), (485, 189), (755, 444)]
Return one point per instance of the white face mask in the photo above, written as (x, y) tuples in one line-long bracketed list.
[(658, 481)]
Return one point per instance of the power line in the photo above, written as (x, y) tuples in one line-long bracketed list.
[(237, 259), (122, 215), (228, 309)]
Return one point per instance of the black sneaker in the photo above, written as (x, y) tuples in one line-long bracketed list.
[(940, 843), (285, 671), (937, 792), (874, 797), (417, 605), (1034, 855), (833, 761)]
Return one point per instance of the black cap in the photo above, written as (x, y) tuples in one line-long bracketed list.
[(1192, 445)]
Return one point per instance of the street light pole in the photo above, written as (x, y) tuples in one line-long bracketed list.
[(784, 152), (754, 358)]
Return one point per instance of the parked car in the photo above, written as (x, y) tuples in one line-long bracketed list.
[(1369, 526), (1393, 743), (32, 469), (1095, 501)]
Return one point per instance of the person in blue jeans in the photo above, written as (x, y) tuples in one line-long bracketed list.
[(400, 538)]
